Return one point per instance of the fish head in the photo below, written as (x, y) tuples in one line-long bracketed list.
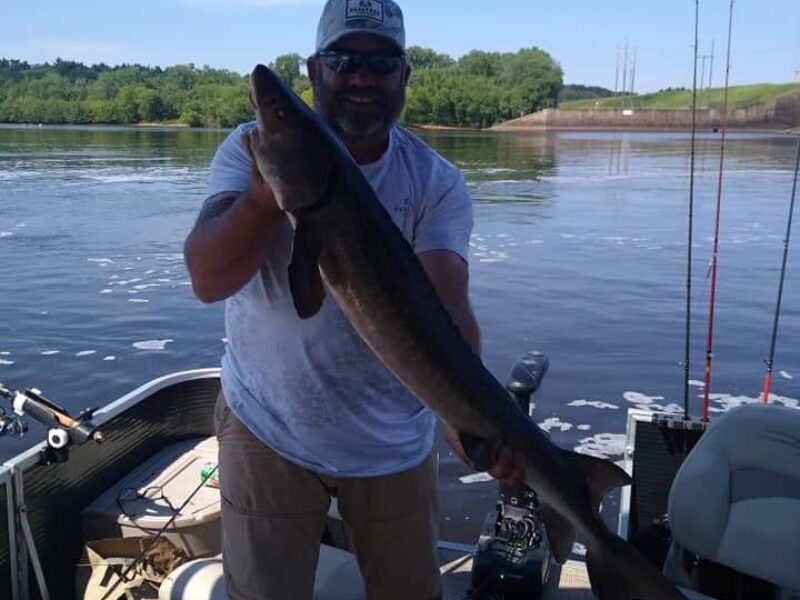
[(290, 144)]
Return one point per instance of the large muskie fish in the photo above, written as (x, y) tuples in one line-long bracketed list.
[(345, 238)]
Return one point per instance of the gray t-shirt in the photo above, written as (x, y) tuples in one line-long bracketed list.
[(312, 390)]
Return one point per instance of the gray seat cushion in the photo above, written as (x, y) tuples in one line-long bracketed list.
[(736, 498)]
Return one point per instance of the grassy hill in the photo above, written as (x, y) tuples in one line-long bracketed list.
[(739, 96)]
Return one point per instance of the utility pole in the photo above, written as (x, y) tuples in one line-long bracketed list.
[(633, 70), (710, 75), (702, 71), (616, 75)]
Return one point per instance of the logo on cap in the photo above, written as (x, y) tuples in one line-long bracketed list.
[(365, 9)]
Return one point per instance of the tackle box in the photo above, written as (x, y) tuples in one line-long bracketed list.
[(143, 501)]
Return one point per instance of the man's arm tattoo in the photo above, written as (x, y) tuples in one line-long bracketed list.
[(216, 205)]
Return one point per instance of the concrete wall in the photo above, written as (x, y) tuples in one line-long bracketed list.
[(781, 113)]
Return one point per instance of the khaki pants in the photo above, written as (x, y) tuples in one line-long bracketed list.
[(273, 515)]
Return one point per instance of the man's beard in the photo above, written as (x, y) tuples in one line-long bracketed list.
[(352, 126)]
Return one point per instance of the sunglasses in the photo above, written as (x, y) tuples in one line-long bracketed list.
[(347, 62)]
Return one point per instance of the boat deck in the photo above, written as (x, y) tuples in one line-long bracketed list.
[(567, 582)]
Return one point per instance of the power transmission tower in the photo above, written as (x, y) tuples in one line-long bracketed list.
[(625, 70)]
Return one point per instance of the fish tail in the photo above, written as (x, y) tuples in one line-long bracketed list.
[(618, 572)]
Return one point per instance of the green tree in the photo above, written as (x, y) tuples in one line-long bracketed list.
[(287, 67), (425, 58)]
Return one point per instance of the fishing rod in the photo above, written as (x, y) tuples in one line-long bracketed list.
[(771, 360), (687, 351), (715, 251)]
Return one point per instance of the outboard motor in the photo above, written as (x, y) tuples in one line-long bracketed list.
[(512, 559)]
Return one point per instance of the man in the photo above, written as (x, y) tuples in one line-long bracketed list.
[(307, 411)]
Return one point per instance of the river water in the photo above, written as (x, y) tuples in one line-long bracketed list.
[(579, 251)]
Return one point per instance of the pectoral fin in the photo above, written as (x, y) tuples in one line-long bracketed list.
[(305, 281), (601, 476), (560, 533)]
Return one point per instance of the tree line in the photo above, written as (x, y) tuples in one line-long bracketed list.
[(479, 89)]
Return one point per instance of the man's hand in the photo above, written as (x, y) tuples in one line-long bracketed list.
[(502, 460)]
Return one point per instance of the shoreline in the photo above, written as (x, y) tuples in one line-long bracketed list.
[(639, 129), (500, 128)]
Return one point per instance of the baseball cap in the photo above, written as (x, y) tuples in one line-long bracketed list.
[(343, 17)]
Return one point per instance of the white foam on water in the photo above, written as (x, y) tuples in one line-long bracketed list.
[(3, 361), (602, 445), (224, 340), (173, 257), (139, 300), (696, 383), (476, 478), (728, 401), (106, 291), (786, 375), (152, 344), (125, 281), (50, 352), (106, 358), (555, 423), (493, 170), (163, 280), (584, 427), (568, 236), (86, 353), (645, 402), (150, 272), (5, 234), (144, 286), (615, 238), (100, 261), (5, 353), (595, 404)]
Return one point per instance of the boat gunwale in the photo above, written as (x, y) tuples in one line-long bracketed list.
[(30, 457)]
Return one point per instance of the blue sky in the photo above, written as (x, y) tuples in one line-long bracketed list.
[(584, 36)]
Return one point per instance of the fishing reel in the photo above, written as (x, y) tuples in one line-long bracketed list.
[(63, 430), (513, 558)]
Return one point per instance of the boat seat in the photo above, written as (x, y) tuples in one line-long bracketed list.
[(736, 498), (338, 578)]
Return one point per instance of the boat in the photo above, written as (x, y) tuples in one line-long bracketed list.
[(110, 506)]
